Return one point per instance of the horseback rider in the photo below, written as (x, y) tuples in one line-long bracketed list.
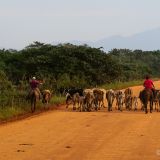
[(148, 84), (34, 83)]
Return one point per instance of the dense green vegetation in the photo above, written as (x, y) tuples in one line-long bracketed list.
[(136, 64), (67, 65)]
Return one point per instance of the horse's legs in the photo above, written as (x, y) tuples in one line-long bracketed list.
[(31, 106), (34, 105), (146, 111), (142, 106), (151, 106), (155, 107), (145, 108)]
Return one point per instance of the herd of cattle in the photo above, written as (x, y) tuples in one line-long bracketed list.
[(93, 99)]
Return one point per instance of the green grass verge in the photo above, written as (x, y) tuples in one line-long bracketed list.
[(121, 85), (8, 112), (57, 100)]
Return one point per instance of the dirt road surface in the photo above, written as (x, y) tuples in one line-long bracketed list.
[(66, 135)]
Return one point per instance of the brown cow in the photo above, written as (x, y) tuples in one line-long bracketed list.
[(110, 95), (46, 96), (89, 100), (99, 95), (120, 99), (128, 98)]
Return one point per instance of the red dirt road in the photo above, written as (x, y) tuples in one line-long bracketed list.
[(63, 135)]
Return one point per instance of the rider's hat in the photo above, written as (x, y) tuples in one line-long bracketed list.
[(34, 78)]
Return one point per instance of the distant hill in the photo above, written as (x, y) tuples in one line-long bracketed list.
[(148, 40)]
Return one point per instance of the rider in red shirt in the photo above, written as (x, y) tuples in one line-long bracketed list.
[(34, 85), (148, 84)]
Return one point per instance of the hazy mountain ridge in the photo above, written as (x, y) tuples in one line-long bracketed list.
[(148, 40)]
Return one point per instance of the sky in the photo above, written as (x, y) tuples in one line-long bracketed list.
[(25, 21)]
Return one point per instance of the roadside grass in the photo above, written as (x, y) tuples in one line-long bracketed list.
[(9, 112), (121, 85), (57, 100)]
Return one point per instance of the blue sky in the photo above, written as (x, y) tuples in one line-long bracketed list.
[(25, 21)]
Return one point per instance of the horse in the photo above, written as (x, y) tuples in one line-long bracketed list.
[(46, 97), (146, 96), (34, 97)]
